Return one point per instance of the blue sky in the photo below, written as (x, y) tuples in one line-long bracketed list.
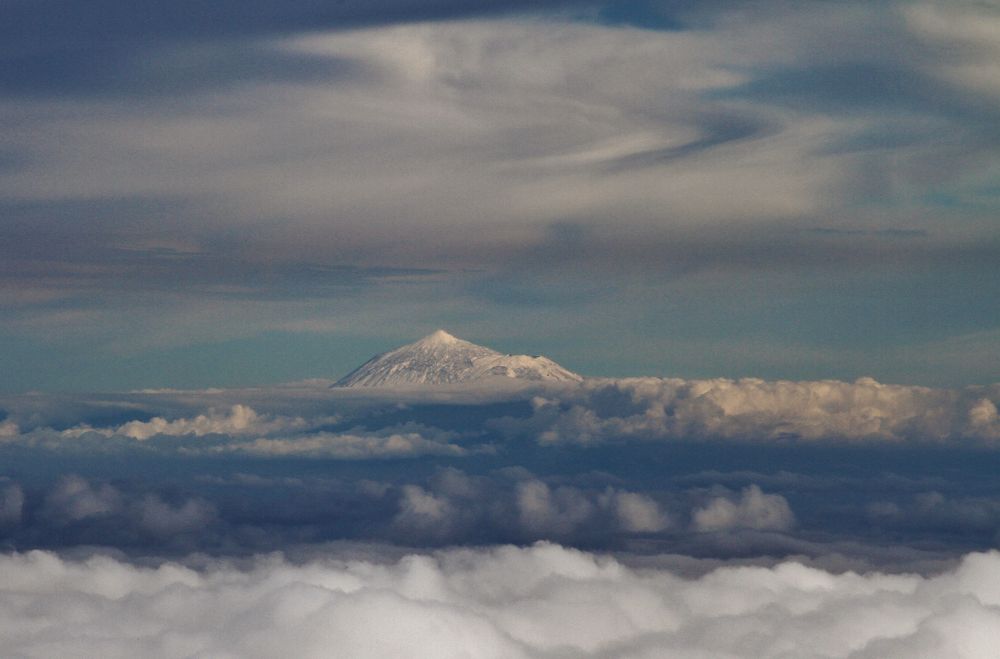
[(212, 193)]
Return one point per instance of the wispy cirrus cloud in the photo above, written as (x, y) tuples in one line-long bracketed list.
[(394, 167)]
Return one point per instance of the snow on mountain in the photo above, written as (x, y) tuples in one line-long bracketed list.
[(441, 358)]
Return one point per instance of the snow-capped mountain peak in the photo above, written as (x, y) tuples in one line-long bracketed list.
[(440, 358)]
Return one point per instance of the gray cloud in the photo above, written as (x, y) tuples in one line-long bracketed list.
[(74, 499), (934, 510), (79, 511), (164, 520), (11, 506), (383, 444), (572, 107), (456, 506), (753, 510)]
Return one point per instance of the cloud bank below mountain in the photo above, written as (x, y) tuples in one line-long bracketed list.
[(758, 410), (311, 419)]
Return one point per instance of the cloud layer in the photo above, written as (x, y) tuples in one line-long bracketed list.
[(539, 601), (313, 420), (707, 467), (758, 410)]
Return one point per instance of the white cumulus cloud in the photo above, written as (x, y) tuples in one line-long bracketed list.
[(538, 601), (754, 409), (240, 420)]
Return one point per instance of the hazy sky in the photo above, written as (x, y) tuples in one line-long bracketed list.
[(221, 192)]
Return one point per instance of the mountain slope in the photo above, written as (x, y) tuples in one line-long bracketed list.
[(441, 358)]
